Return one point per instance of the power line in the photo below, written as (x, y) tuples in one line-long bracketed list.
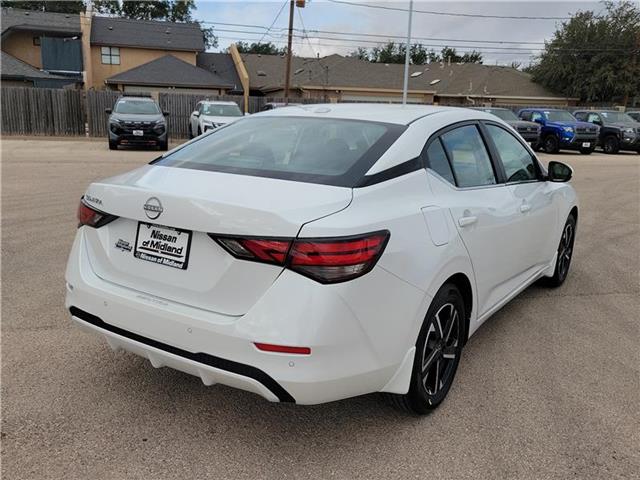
[(431, 12), (359, 42), (274, 21)]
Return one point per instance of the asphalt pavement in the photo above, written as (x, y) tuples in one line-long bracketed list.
[(548, 388)]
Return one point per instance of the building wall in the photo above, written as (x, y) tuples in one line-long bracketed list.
[(16, 83), (20, 45), (155, 90), (365, 95), (129, 58)]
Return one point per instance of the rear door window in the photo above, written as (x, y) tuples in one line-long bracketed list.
[(438, 161), (469, 157)]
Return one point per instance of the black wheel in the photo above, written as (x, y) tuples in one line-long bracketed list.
[(551, 144), (611, 144), (164, 146), (565, 253), (586, 150), (113, 145), (190, 131), (438, 351), (199, 130), (536, 146)]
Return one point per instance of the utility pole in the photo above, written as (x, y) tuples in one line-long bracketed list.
[(407, 56), (287, 75)]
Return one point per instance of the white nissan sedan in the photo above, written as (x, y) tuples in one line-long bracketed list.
[(310, 254)]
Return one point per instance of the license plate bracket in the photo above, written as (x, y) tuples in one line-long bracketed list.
[(138, 133), (163, 245)]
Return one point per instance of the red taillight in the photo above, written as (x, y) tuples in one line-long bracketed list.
[(268, 347), (92, 218), (326, 260)]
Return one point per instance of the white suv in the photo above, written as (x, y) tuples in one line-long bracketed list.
[(309, 254), (212, 114)]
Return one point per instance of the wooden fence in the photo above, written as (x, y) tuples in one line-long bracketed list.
[(42, 111)]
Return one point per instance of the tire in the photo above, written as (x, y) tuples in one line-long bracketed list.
[(536, 146), (565, 254), (113, 145), (199, 130), (551, 144), (438, 351), (587, 151), (164, 146), (611, 145), (190, 131)]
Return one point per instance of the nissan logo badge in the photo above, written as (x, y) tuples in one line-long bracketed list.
[(153, 208)]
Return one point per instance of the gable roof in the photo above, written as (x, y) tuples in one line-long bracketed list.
[(220, 64), (169, 71), (124, 32), (33, 20), (266, 73), (15, 69)]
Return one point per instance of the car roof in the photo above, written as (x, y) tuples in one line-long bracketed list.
[(148, 99), (218, 102), (387, 113)]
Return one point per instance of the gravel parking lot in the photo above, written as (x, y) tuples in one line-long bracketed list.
[(548, 388)]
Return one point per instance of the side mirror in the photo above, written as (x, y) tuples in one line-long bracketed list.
[(196, 113), (108, 111), (166, 114), (559, 172), (538, 120), (597, 122)]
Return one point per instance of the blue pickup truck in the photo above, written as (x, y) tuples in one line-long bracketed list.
[(561, 130)]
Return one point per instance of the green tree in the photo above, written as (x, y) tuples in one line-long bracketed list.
[(72, 6), (261, 48), (393, 52), (594, 57)]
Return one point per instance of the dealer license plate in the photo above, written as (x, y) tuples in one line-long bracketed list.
[(586, 144), (138, 133), (163, 245)]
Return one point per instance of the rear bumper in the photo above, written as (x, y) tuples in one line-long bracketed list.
[(356, 347)]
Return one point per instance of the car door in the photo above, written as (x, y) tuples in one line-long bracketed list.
[(483, 209), (535, 225)]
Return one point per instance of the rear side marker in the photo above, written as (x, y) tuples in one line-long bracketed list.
[(325, 260), (268, 347)]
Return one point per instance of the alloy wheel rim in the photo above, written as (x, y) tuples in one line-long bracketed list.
[(565, 251), (440, 349)]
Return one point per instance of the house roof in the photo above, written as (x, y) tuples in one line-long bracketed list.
[(12, 68), (32, 20), (123, 32), (266, 73), (220, 64), (171, 72)]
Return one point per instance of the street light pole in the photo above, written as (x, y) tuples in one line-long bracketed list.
[(405, 85), (287, 74)]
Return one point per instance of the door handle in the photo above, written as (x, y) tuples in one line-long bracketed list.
[(524, 208), (465, 221)]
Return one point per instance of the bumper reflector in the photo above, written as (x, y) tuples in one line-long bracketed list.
[(267, 347)]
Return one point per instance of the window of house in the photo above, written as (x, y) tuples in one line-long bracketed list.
[(36, 41), (110, 55)]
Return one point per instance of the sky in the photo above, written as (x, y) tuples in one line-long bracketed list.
[(354, 21)]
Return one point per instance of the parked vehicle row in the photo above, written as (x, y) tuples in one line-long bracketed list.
[(553, 130)]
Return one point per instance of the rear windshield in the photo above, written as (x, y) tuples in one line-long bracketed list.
[(139, 107), (221, 110), (316, 150), (506, 115), (559, 116)]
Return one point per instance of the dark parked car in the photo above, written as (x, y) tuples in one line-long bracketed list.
[(635, 115), (137, 120), (618, 131), (561, 130), (272, 105), (529, 131)]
